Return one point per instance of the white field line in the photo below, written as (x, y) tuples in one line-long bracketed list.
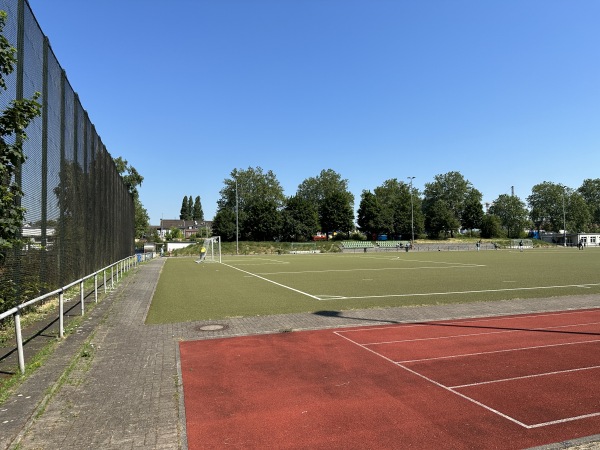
[(567, 419), (257, 262), (525, 377), (380, 269), (436, 383), (453, 388), (483, 333), (472, 321), (425, 294), (472, 400), (271, 281), (508, 350)]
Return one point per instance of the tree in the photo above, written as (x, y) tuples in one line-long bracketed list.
[(13, 122), (300, 220), (184, 212), (129, 174), (444, 203), (335, 212), (490, 227), (132, 180), (263, 221), (401, 208), (590, 191), (511, 213), (190, 209), (369, 214), (472, 214), (197, 214), (316, 189), (224, 224), (173, 233), (440, 220), (577, 212), (394, 199), (259, 198), (547, 204)]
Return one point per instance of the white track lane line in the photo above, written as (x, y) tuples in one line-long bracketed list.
[(453, 388), (446, 388), (550, 329), (525, 377), (497, 351), (472, 320)]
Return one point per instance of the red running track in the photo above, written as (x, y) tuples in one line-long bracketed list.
[(490, 383)]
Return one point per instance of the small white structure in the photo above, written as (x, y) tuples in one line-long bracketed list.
[(177, 245), (572, 239)]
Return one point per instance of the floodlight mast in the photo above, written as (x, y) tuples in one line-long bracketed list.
[(412, 215), (237, 233), (564, 219)]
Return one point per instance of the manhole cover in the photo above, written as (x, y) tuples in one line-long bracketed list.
[(214, 327)]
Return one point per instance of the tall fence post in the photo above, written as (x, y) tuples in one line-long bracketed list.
[(96, 287), (19, 336), (61, 311), (81, 297)]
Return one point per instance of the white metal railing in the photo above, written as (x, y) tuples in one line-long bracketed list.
[(117, 270)]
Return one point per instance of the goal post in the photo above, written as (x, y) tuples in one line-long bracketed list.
[(303, 247), (521, 243), (212, 245)]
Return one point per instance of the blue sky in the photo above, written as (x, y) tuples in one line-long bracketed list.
[(505, 92)]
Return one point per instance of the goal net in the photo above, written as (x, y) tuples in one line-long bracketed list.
[(212, 247), (303, 247), (521, 243)]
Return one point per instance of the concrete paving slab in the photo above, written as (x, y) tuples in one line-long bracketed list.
[(116, 384)]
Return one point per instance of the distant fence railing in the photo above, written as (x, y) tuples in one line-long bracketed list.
[(116, 270)]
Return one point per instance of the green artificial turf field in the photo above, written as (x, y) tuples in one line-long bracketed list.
[(279, 284)]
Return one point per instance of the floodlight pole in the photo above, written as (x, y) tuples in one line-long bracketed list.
[(237, 234), (564, 220), (412, 215)]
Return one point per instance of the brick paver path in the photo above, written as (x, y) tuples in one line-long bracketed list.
[(115, 383)]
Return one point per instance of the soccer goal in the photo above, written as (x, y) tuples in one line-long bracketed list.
[(303, 247), (212, 247), (521, 243)]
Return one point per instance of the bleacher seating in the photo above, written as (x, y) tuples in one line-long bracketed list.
[(357, 244), (392, 244)]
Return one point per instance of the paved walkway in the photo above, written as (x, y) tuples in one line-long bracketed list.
[(115, 383)]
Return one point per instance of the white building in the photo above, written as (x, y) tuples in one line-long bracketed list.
[(572, 239)]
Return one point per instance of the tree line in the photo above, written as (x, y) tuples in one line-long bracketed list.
[(191, 209), (252, 206)]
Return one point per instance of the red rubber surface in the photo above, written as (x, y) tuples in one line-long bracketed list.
[(497, 383)]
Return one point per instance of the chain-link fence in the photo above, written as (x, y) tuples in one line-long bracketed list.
[(79, 213)]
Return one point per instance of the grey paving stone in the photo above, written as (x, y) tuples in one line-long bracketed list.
[(127, 392)]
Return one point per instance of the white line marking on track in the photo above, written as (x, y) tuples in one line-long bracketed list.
[(437, 384), (453, 388), (524, 377), (567, 419), (498, 351), (441, 324), (472, 320)]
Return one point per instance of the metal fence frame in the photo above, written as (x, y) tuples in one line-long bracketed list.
[(116, 269), (79, 212)]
